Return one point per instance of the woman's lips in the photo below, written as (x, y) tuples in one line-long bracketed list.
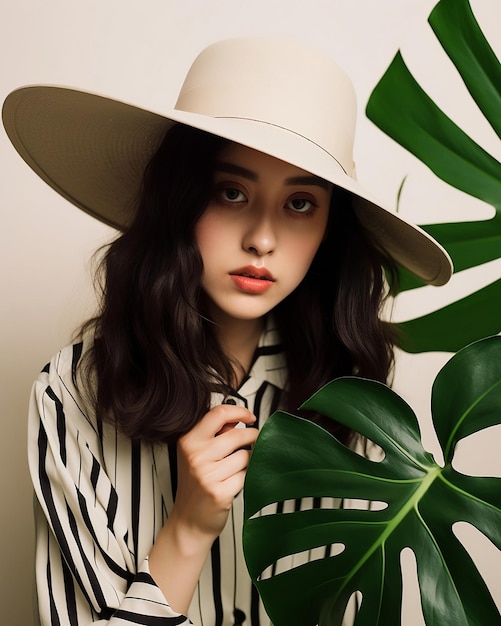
[(252, 279)]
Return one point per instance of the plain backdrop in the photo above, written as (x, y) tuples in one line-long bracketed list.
[(139, 52)]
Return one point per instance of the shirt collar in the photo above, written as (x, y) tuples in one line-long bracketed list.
[(269, 364)]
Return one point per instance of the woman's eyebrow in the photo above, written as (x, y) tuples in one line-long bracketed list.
[(308, 180), (231, 168)]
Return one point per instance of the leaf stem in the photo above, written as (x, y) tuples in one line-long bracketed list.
[(432, 474)]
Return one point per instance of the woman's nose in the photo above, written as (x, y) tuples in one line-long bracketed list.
[(260, 236)]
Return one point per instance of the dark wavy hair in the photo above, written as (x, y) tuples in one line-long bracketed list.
[(154, 353)]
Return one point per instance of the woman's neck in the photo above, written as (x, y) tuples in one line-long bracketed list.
[(239, 340)]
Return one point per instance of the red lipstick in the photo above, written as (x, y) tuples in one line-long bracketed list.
[(252, 279)]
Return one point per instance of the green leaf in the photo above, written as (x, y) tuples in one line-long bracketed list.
[(477, 398), (295, 459), (401, 108), (449, 328), (454, 24)]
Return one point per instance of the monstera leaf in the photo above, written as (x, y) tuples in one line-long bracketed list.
[(295, 459), (402, 109)]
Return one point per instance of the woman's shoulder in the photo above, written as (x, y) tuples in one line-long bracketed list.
[(60, 389), (64, 367)]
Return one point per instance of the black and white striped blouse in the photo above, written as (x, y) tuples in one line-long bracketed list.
[(101, 500)]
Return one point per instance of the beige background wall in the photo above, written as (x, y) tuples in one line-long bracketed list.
[(139, 52)]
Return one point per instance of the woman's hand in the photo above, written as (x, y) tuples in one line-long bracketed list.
[(211, 468), (212, 459)]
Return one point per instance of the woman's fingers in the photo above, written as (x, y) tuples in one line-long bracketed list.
[(221, 416), (218, 433), (205, 457), (221, 471), (231, 440), (212, 467)]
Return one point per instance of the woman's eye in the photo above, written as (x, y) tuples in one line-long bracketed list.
[(300, 205), (232, 195)]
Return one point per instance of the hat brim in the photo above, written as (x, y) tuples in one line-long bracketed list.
[(93, 151)]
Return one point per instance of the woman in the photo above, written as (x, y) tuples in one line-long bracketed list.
[(250, 271)]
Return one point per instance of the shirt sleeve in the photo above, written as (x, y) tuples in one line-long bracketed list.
[(85, 572)]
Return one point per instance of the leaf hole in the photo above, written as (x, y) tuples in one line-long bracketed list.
[(326, 503), (364, 505), (298, 559), (478, 454), (369, 450), (298, 504), (485, 555), (411, 597)]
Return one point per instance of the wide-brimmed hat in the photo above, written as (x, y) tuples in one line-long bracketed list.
[(275, 96)]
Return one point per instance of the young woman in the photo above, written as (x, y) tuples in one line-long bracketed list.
[(250, 271)]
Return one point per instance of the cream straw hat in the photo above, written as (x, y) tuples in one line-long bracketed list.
[(275, 96)]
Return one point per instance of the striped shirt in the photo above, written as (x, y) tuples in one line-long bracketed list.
[(101, 499)]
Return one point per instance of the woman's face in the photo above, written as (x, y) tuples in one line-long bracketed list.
[(261, 229)]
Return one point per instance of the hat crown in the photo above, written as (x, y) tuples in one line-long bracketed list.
[(279, 83)]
